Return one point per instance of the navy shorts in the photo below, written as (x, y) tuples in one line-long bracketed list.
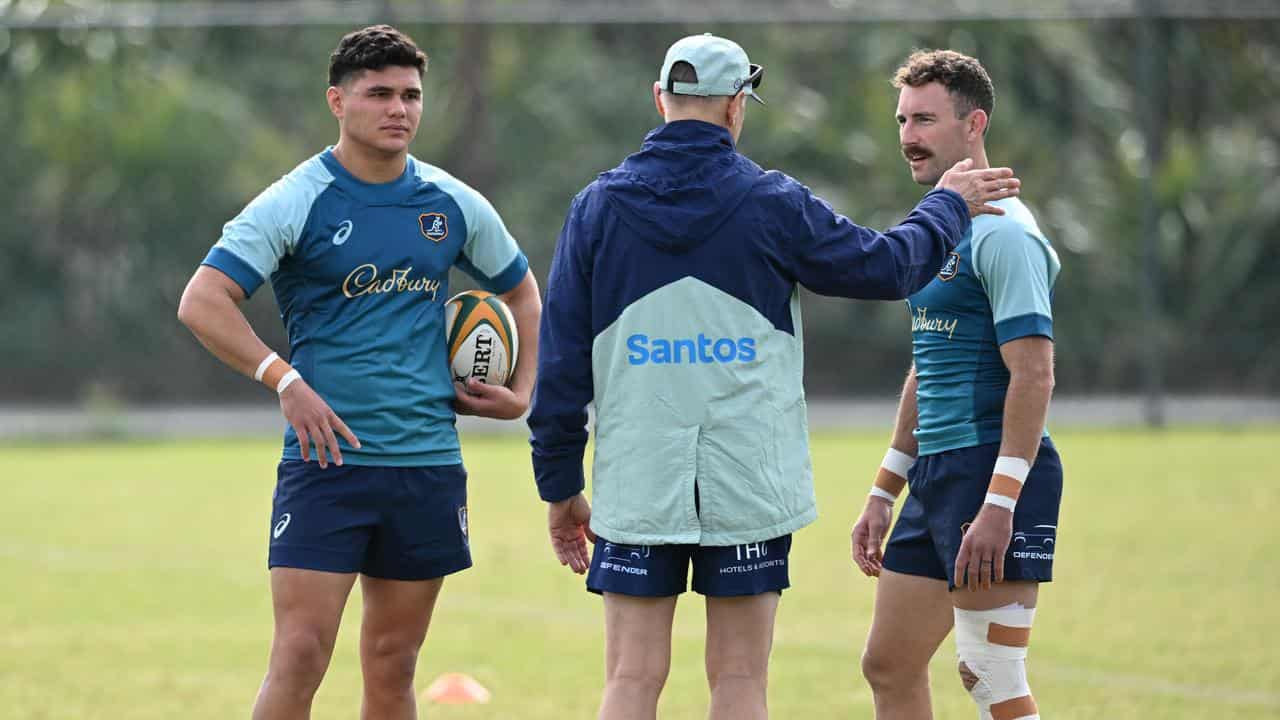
[(385, 522), (948, 489), (663, 570)]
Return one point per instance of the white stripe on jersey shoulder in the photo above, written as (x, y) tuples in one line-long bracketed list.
[(270, 226), (467, 197), (1017, 219), (293, 195), (489, 246)]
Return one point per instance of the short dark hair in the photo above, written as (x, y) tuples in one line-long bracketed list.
[(964, 78), (374, 48)]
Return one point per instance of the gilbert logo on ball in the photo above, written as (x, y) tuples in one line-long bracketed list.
[(481, 336)]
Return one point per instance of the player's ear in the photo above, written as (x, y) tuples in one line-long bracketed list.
[(733, 113), (978, 120), (334, 97), (657, 100)]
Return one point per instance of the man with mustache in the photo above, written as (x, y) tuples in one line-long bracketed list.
[(976, 534)]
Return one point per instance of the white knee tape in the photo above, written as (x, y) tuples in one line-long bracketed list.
[(992, 644)]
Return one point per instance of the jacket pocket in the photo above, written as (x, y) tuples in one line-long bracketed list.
[(739, 478), (643, 476)]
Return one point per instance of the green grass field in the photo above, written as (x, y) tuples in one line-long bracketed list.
[(133, 585)]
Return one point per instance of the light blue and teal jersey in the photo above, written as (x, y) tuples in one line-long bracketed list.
[(361, 275), (996, 286)]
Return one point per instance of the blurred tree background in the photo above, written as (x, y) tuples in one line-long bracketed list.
[(129, 147)]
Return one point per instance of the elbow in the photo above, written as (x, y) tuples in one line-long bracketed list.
[(916, 285), (1037, 381), (189, 309), (1045, 386), (1041, 382), (910, 285), (185, 311)]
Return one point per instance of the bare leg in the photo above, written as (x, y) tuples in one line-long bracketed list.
[(637, 655), (739, 639), (308, 608), (912, 617), (396, 616)]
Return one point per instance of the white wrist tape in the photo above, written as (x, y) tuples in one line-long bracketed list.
[(262, 366), (897, 462), (1015, 467), (1007, 503), (287, 380), (1007, 479), (892, 476), (882, 493)]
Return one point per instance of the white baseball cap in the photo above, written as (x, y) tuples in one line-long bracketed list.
[(721, 66)]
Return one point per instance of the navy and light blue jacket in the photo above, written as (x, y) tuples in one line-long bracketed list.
[(995, 287), (361, 275), (672, 303)]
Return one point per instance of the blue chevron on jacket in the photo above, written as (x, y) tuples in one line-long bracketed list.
[(672, 304)]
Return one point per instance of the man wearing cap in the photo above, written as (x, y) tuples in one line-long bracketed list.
[(672, 304)]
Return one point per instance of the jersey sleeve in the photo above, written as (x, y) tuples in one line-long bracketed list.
[(490, 255), (254, 241), (1018, 270)]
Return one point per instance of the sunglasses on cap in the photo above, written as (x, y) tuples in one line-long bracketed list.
[(755, 73)]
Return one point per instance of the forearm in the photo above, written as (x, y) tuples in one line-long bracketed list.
[(558, 427), (1026, 406), (558, 417), (557, 466), (526, 307), (891, 477), (835, 256), (904, 435), (922, 242)]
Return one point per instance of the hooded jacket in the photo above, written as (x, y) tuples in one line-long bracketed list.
[(672, 303)]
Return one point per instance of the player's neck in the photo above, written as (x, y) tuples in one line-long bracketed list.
[(979, 155), (369, 165)]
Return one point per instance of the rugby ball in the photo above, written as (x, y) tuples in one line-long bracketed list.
[(481, 336)]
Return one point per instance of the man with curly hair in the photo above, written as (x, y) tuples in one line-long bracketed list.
[(976, 535)]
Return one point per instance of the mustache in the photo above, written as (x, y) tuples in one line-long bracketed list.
[(909, 151)]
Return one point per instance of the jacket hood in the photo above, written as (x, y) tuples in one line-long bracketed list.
[(686, 181)]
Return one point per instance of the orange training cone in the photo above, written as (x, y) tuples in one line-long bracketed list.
[(456, 689)]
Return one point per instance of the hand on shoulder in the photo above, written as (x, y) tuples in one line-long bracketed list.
[(979, 187)]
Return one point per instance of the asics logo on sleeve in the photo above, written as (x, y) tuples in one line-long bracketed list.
[(643, 350), (344, 232)]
